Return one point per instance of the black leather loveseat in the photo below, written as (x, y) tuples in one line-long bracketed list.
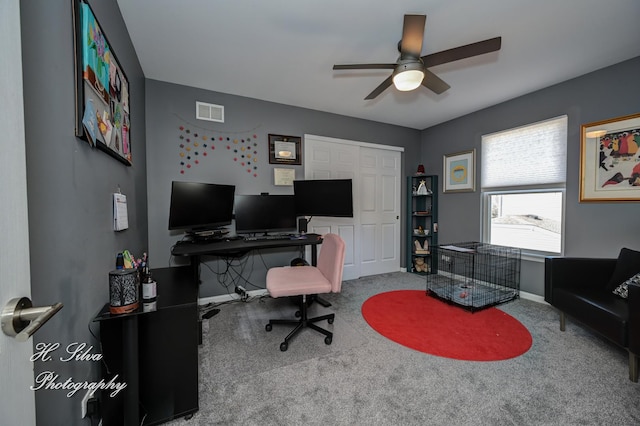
[(583, 288)]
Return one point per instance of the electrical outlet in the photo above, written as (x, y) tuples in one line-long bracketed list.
[(93, 406), (85, 402)]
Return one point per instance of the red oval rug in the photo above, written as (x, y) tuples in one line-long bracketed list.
[(426, 324)]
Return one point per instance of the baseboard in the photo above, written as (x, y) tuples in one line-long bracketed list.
[(263, 292), (230, 297), (532, 297)]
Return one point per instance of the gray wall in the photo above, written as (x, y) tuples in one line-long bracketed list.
[(591, 229), (73, 246), (171, 106)]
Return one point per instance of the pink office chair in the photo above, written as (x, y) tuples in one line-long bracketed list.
[(309, 280)]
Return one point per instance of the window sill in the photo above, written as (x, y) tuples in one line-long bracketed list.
[(536, 257)]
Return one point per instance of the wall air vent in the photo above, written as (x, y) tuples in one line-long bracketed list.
[(209, 112)]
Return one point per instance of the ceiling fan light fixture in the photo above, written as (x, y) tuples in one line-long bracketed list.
[(408, 76), (408, 80), (412, 70)]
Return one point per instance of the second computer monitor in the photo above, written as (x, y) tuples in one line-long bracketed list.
[(265, 213)]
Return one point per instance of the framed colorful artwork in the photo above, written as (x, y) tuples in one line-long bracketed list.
[(102, 88), (285, 150), (459, 172), (610, 160)]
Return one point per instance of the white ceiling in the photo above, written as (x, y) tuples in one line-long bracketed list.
[(283, 50)]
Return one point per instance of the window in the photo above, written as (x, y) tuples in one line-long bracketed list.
[(523, 177)]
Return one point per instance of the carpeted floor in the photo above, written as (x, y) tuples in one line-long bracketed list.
[(570, 378)]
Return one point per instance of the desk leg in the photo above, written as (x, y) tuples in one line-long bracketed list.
[(130, 370), (195, 267)]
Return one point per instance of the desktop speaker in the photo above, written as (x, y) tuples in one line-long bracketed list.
[(302, 225)]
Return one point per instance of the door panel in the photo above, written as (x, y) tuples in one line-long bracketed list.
[(389, 234), (368, 193), (17, 404), (369, 243), (347, 233), (380, 212)]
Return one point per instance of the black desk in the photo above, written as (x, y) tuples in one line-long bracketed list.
[(235, 247), (155, 353)]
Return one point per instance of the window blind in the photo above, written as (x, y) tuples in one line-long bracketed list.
[(532, 155)]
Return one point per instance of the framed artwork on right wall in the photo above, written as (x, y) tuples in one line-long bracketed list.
[(610, 160)]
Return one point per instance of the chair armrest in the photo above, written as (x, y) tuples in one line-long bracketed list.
[(575, 272), (634, 318)]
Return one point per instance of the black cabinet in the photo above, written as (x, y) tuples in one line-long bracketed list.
[(155, 353), (422, 223)]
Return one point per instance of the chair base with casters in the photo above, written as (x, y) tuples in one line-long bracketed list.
[(301, 323), (306, 283)]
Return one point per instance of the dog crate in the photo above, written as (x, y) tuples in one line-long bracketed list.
[(475, 275)]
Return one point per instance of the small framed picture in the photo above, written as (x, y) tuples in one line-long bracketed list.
[(285, 150), (283, 177), (460, 172)]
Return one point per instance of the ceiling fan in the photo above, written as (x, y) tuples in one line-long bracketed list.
[(412, 70)]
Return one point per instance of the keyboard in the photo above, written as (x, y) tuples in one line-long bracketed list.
[(268, 238)]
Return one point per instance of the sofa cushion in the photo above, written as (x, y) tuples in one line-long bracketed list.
[(627, 265), (600, 310), (623, 290)]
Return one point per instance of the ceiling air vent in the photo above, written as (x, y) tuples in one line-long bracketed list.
[(209, 112)]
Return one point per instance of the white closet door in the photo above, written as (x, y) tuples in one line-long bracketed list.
[(379, 209), (372, 236)]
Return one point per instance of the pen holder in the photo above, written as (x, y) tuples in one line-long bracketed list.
[(124, 292)]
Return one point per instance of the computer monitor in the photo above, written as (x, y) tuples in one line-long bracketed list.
[(324, 197), (265, 213), (196, 207)]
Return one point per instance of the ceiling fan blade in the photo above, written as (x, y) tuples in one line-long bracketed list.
[(412, 35), (433, 82), (365, 67), (381, 88), (462, 52)]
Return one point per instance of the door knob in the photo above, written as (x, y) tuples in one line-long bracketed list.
[(20, 319)]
